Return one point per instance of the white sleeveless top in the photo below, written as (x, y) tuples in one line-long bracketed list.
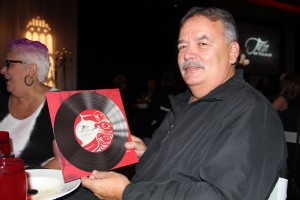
[(20, 130)]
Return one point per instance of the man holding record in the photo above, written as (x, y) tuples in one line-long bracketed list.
[(221, 140)]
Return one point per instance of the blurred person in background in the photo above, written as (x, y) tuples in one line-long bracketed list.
[(145, 94), (121, 82), (287, 104), (24, 111), (289, 95)]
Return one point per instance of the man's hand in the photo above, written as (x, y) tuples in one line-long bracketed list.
[(137, 144), (106, 185)]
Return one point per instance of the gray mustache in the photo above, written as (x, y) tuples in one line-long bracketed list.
[(192, 63)]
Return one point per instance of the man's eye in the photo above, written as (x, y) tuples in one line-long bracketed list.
[(201, 44), (181, 47)]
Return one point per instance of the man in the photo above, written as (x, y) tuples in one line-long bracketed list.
[(221, 139)]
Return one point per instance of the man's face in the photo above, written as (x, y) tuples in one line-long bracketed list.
[(207, 56)]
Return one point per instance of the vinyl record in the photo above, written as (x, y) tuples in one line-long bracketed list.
[(67, 142)]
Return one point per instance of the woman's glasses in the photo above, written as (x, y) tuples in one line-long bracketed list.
[(7, 62)]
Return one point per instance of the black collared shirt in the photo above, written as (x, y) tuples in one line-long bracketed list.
[(228, 145)]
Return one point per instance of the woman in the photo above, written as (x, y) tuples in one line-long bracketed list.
[(24, 111), (287, 104), (289, 93)]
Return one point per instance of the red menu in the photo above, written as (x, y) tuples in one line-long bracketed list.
[(90, 128)]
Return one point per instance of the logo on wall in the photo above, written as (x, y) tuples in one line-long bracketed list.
[(257, 47), (260, 49)]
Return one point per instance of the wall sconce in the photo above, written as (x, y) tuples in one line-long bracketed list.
[(62, 57)]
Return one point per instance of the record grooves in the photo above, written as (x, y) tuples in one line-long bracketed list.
[(65, 138)]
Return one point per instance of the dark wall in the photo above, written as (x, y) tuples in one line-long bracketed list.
[(133, 38)]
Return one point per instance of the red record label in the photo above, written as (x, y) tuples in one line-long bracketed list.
[(93, 130)]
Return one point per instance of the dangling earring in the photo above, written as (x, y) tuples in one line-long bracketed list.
[(26, 82)]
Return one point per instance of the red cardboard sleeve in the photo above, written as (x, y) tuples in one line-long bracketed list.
[(90, 128)]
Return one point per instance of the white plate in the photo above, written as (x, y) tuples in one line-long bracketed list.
[(49, 183)]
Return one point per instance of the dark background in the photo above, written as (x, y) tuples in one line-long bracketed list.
[(138, 38)]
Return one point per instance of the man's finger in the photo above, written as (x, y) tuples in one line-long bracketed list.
[(100, 174)]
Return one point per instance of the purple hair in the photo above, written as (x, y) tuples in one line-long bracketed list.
[(29, 43)]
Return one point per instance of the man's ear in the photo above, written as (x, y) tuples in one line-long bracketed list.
[(234, 52)]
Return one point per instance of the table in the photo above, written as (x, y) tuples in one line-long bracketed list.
[(80, 193)]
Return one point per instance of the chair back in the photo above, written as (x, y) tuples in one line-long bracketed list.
[(280, 190)]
